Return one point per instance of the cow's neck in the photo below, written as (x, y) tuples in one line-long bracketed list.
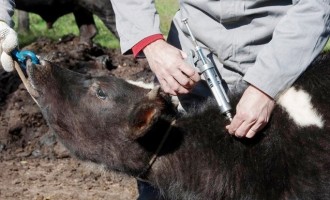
[(157, 152), (172, 171)]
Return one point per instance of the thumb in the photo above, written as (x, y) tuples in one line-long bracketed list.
[(183, 54), (7, 62)]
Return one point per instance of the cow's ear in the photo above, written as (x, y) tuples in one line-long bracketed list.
[(145, 114)]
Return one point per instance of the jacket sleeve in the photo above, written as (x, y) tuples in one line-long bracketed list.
[(135, 20), (7, 11), (298, 38)]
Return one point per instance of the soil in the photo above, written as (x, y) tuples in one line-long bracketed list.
[(33, 164)]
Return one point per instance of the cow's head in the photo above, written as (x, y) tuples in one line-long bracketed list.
[(101, 119)]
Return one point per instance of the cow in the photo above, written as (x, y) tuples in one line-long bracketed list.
[(83, 11), (190, 156)]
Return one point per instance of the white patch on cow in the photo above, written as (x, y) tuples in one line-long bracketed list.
[(142, 84), (298, 104)]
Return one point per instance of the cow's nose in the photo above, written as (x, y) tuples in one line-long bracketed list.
[(30, 66), (36, 71)]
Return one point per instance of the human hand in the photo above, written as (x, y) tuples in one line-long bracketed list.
[(252, 113), (8, 42), (167, 62)]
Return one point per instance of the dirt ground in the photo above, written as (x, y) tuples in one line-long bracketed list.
[(33, 164)]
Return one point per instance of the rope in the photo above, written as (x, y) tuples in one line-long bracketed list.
[(25, 81), (155, 155)]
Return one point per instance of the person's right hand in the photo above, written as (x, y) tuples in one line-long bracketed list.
[(168, 63), (8, 42)]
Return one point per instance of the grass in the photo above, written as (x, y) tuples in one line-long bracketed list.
[(63, 26), (327, 47), (166, 9), (66, 25)]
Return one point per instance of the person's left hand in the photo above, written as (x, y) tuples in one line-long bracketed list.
[(252, 113)]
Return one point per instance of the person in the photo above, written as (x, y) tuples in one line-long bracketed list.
[(8, 37), (259, 47), (264, 44)]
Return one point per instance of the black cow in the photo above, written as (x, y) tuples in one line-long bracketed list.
[(83, 11), (191, 156)]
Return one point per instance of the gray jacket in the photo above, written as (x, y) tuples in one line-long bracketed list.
[(267, 43), (7, 11)]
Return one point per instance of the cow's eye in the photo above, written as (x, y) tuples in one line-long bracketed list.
[(101, 94)]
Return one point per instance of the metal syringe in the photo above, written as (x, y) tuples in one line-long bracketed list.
[(212, 77)]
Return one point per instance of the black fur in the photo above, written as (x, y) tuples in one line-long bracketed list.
[(199, 159)]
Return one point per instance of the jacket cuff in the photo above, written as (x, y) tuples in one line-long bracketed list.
[(137, 48), (265, 85)]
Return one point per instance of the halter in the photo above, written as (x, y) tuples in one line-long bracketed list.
[(155, 155)]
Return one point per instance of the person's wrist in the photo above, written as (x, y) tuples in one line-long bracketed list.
[(257, 90), (152, 47), (137, 49)]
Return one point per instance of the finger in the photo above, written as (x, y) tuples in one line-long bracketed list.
[(255, 129), (251, 133), (183, 54), (243, 129), (234, 125), (175, 86), (7, 62), (166, 87), (190, 72), (10, 41), (183, 79)]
